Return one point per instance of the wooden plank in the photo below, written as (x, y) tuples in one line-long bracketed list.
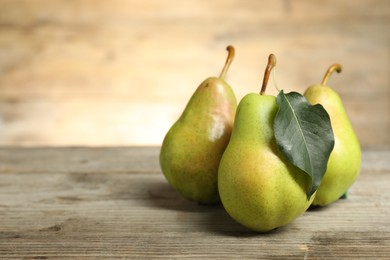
[(115, 203), (96, 72)]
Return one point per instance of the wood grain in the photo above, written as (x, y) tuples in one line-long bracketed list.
[(111, 72), (115, 203)]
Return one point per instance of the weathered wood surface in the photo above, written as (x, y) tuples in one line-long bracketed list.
[(114, 202), (113, 72)]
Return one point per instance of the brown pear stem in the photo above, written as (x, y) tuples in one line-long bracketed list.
[(271, 64), (229, 60), (334, 67)]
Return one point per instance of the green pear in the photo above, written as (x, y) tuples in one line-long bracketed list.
[(258, 187), (345, 159), (193, 147)]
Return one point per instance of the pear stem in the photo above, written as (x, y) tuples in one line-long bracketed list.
[(229, 60), (334, 67), (271, 64)]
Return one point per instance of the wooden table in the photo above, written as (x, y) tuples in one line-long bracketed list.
[(114, 202)]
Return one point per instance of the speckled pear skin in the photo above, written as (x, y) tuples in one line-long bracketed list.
[(193, 147), (345, 160), (258, 187)]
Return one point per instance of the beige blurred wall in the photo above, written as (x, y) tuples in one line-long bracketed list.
[(110, 72)]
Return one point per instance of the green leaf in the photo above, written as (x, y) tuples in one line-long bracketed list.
[(344, 196), (304, 135)]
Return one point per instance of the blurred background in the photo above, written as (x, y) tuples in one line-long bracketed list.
[(119, 73)]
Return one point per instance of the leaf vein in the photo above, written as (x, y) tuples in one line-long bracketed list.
[(301, 130)]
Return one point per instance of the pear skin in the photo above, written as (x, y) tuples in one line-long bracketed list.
[(258, 187), (345, 160), (193, 147)]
